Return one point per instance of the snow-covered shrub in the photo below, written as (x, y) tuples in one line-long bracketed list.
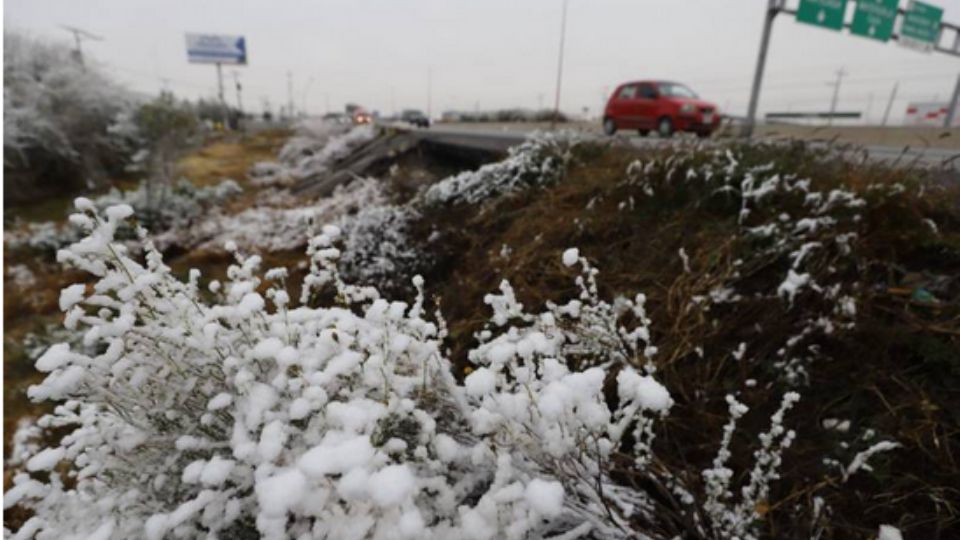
[(269, 228), (21, 276), (378, 246), (784, 225), (251, 415), (156, 133), (56, 118), (177, 206), (540, 160), (175, 209), (318, 144), (43, 236), (268, 174)]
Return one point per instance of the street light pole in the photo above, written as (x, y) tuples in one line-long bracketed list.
[(563, 35), (773, 7)]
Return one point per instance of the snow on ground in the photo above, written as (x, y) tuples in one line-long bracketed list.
[(266, 228)]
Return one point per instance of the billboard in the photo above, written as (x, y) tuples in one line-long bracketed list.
[(928, 114), (216, 49)]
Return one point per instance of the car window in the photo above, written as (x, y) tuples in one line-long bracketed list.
[(677, 90), (627, 92), (647, 91)]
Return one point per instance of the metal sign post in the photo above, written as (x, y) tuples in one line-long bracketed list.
[(773, 7), (556, 101), (952, 109), (921, 24)]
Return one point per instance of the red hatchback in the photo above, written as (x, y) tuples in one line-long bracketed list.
[(661, 106)]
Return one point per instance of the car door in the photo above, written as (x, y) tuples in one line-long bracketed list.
[(625, 113), (646, 106)]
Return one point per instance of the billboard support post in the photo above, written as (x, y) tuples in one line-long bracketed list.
[(223, 103), (772, 7), (952, 107)]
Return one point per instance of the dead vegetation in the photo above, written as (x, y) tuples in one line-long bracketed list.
[(895, 374)]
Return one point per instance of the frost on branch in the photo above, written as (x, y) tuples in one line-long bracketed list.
[(539, 160), (252, 415)]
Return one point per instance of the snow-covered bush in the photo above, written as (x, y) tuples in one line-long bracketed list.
[(56, 118), (316, 146), (162, 207), (785, 226), (272, 228), (43, 236), (378, 246), (252, 415), (540, 160)]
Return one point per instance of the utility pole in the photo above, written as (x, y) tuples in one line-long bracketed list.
[(563, 36), (290, 93), (836, 94), (79, 35), (952, 107), (893, 95), (773, 7)]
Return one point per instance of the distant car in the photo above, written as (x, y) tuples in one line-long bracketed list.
[(415, 117), (662, 106), (361, 117)]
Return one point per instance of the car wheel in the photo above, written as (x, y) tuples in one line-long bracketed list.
[(703, 134), (665, 128), (643, 132), (609, 126)]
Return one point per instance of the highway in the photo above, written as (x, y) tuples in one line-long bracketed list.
[(480, 138)]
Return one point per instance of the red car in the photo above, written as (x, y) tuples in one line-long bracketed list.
[(663, 106)]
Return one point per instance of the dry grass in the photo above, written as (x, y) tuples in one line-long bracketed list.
[(897, 372), (231, 157)]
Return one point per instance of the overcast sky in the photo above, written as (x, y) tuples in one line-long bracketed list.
[(491, 53)]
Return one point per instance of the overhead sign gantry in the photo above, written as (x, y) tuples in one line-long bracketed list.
[(921, 27)]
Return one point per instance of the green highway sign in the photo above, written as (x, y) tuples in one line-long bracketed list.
[(825, 13), (874, 18), (921, 25)]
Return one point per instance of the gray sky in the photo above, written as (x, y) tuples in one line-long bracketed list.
[(492, 53)]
